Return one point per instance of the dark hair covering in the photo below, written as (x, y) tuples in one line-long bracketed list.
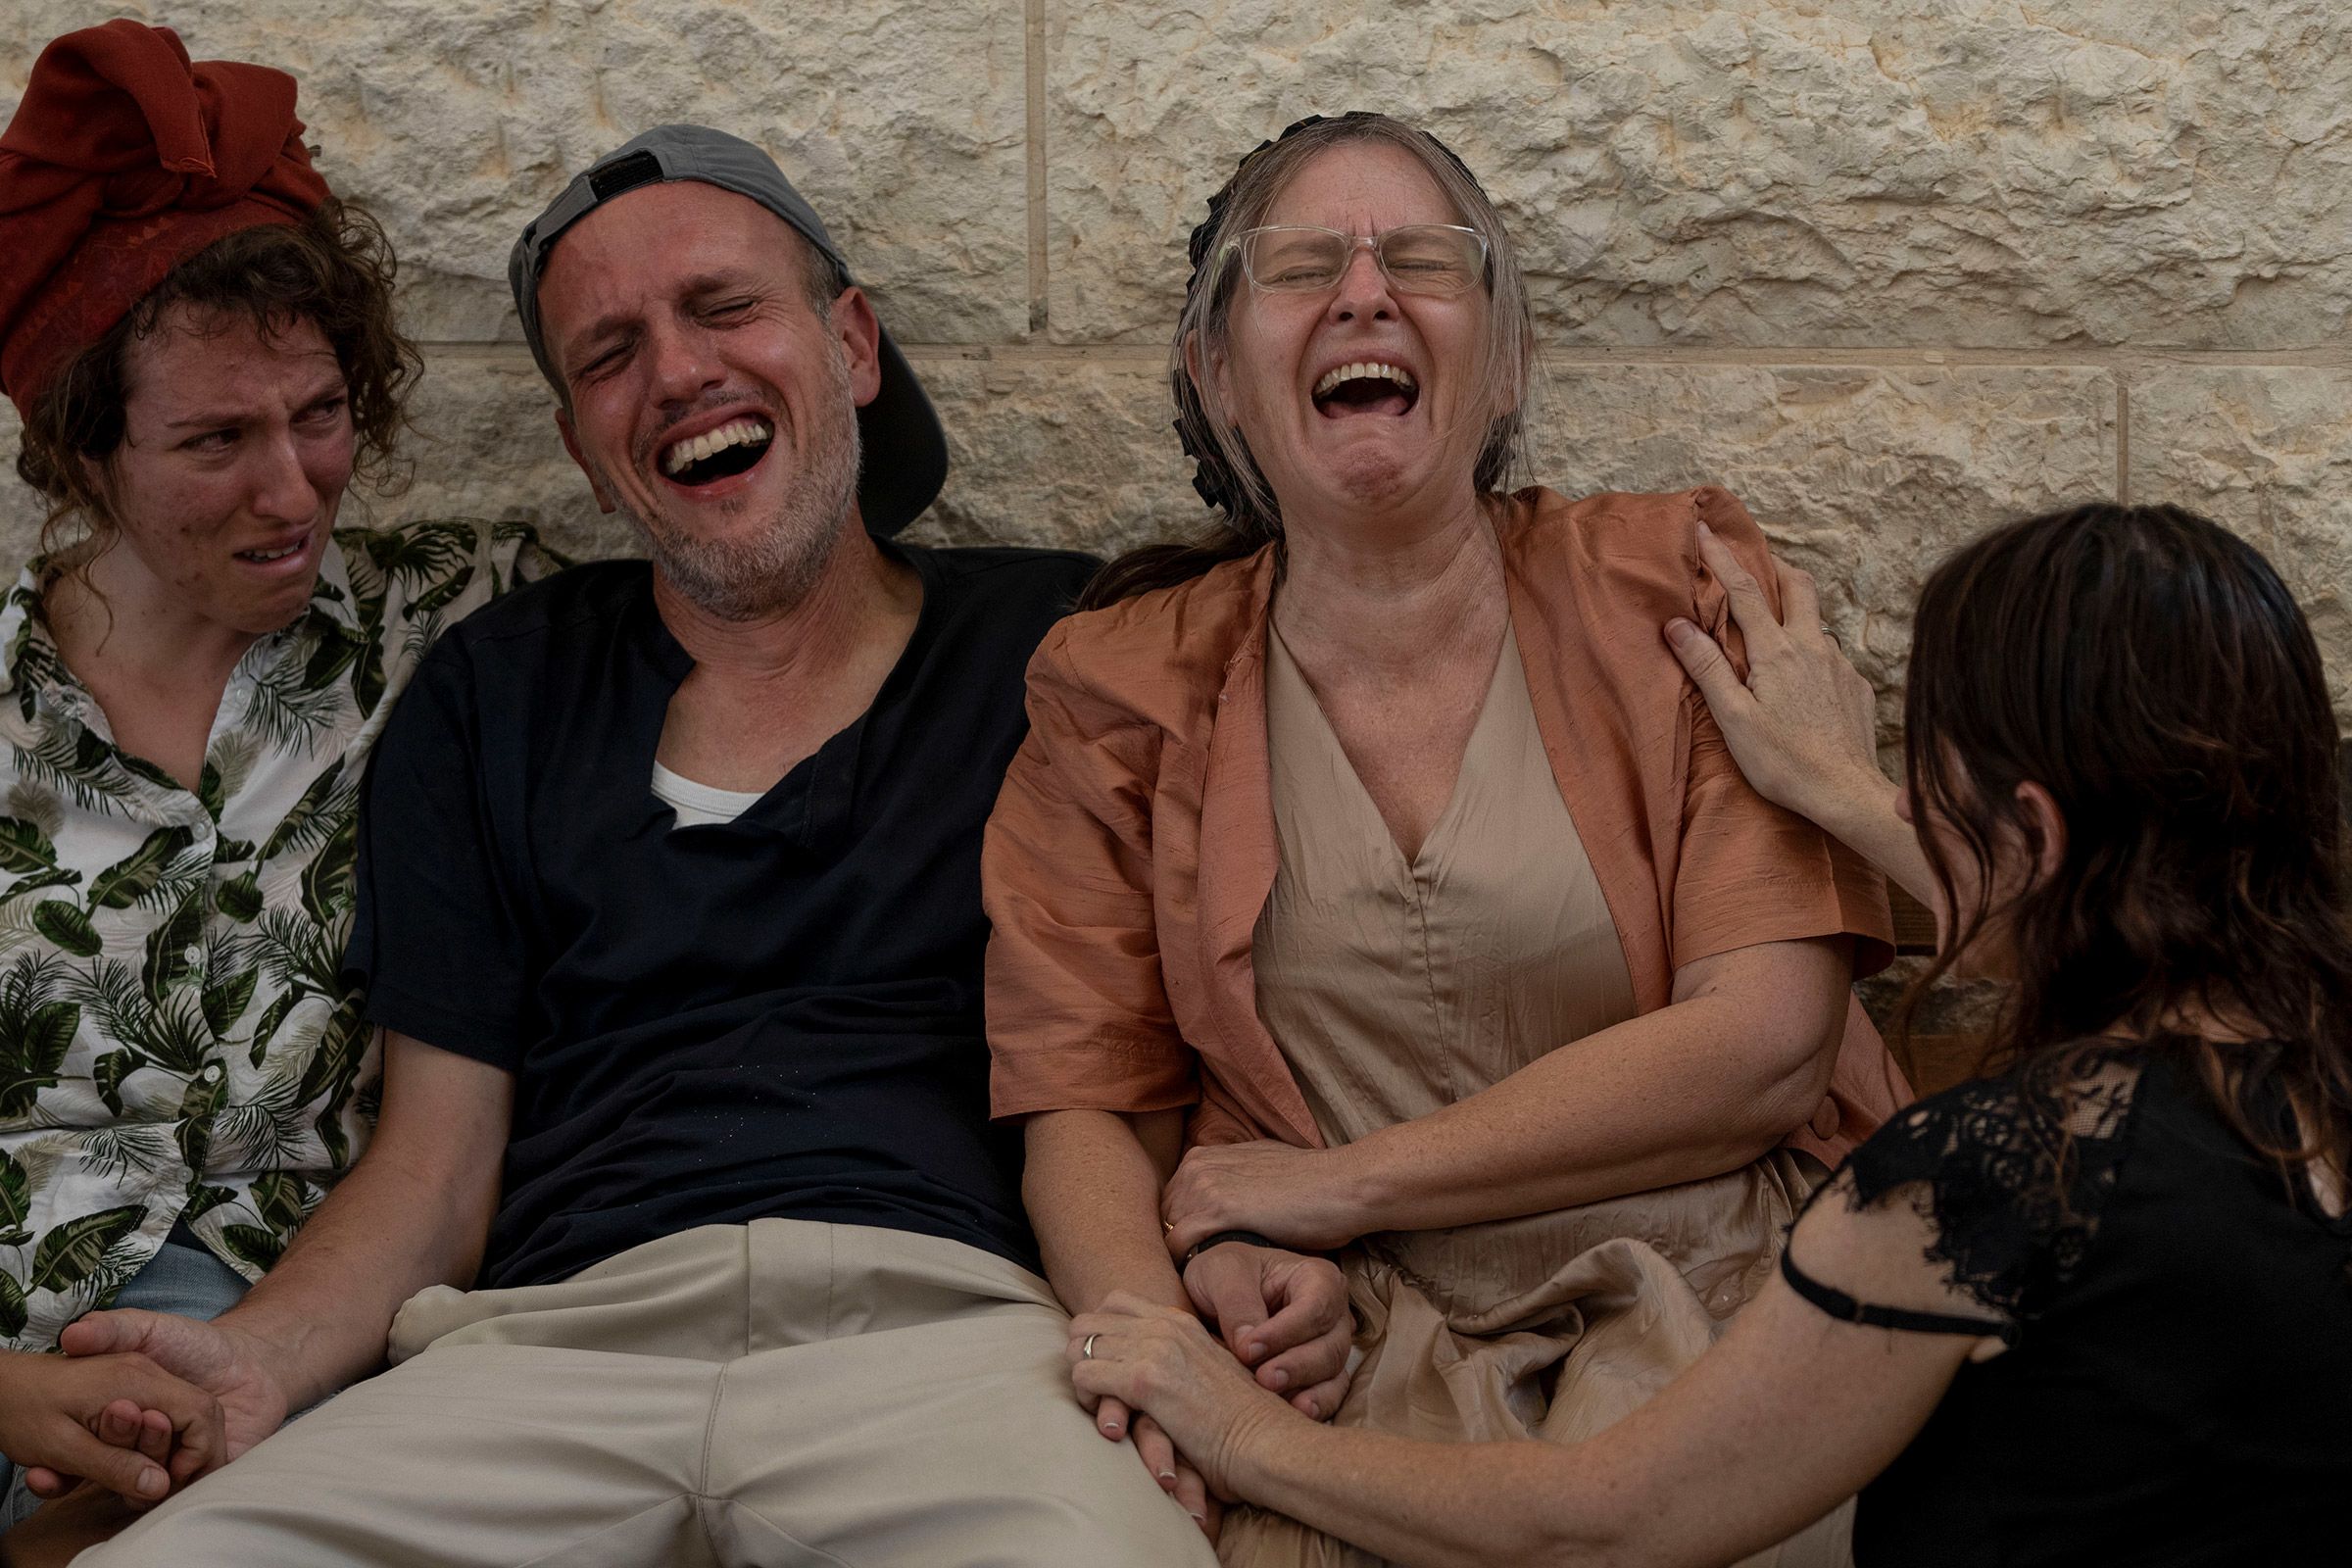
[(1224, 473), (2150, 670)]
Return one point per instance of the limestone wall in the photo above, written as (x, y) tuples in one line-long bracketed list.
[(1892, 270)]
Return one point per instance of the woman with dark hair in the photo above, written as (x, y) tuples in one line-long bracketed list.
[(199, 338), (2095, 1308), (1372, 882)]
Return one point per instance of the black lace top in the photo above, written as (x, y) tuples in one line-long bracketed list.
[(2177, 1387)]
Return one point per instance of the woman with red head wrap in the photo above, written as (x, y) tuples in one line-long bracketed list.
[(199, 337), (125, 160)]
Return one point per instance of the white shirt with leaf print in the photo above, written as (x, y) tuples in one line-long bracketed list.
[(175, 1041)]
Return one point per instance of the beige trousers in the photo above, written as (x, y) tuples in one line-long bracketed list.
[(776, 1393)]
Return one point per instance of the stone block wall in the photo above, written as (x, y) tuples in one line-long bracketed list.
[(1892, 270)]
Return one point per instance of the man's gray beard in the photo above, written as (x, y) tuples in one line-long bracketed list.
[(772, 572)]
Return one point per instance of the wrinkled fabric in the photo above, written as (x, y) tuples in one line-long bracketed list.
[(1133, 846), (1399, 987), (123, 159), (1396, 988), (777, 1394), (1644, 1286), (177, 1047)]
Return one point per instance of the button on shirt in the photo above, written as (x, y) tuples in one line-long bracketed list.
[(774, 1017), (176, 1044)]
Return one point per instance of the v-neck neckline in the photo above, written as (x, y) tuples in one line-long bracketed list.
[(815, 797), (1417, 865)]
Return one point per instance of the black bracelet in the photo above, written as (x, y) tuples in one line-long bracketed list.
[(1246, 1238)]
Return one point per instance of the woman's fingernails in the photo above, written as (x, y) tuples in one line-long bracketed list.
[(1282, 1379), (1705, 532), (1169, 1476), (1679, 630), (153, 1483)]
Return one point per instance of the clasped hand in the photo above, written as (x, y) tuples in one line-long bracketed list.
[(1283, 1326), (229, 1366), (1297, 1197), (1281, 1315), (119, 1420), (1162, 1361)]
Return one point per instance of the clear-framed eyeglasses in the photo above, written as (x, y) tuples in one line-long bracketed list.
[(1440, 259)]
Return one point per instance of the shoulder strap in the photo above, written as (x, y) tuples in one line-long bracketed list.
[(1846, 1309)]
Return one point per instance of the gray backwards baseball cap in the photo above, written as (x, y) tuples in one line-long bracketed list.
[(906, 451)]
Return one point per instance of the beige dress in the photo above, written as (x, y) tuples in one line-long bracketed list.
[(1396, 988)]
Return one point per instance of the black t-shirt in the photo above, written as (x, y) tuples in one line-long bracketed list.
[(2177, 1386), (778, 1016)]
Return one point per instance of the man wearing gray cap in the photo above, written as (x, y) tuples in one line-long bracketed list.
[(670, 909)]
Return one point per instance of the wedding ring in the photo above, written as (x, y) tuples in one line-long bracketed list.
[(1086, 1351)]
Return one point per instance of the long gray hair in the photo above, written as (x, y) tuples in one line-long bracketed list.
[(1224, 472)]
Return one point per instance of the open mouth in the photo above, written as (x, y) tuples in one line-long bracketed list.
[(735, 447), (263, 558), (1368, 386)]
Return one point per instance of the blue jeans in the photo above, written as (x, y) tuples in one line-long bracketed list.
[(186, 1280)]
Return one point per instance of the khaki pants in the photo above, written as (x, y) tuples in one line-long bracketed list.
[(776, 1393)]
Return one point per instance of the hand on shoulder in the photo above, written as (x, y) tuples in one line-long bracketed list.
[(1802, 724)]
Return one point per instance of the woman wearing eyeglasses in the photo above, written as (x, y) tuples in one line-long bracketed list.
[(2091, 1310), (1374, 884)]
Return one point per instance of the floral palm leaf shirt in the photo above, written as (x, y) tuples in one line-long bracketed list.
[(176, 1045)]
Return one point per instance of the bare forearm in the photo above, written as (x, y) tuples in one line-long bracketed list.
[(415, 1211), (1859, 812), (1790, 1413), (1468, 1506), (388, 1229), (1643, 1107), (1686, 1093), (1092, 1188), (1704, 1473), (1425, 1504)]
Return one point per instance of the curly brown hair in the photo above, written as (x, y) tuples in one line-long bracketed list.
[(334, 269)]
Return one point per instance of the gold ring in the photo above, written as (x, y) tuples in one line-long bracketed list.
[(1086, 1351)]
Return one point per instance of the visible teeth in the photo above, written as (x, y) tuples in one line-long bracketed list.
[(735, 432), (270, 555), (1364, 369)]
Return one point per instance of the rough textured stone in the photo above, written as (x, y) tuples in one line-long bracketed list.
[(1952, 1006), (905, 126), (1780, 176), (1766, 171), (1062, 453), (1054, 453), (2269, 452), (20, 509), (485, 446), (1865, 477), (1876, 174)]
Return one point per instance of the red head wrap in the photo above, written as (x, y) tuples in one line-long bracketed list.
[(122, 161)]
